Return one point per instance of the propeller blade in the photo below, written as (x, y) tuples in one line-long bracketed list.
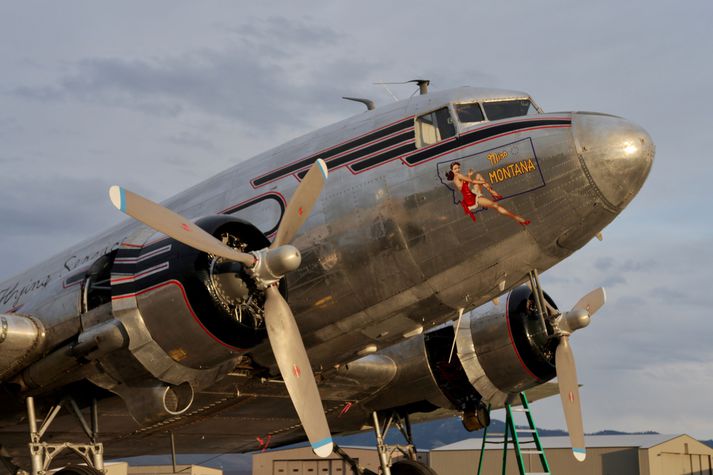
[(593, 301), (174, 225), (569, 393), (291, 356), (301, 203)]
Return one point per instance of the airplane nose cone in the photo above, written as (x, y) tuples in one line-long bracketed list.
[(616, 153)]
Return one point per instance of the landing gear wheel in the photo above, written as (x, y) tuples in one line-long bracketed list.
[(78, 470), (410, 467)]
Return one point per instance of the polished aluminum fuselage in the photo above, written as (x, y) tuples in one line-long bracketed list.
[(389, 251)]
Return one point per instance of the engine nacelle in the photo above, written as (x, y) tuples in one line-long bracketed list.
[(506, 348), (500, 351), (199, 309), (188, 316), (21, 341)]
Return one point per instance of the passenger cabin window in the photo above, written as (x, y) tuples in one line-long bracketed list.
[(469, 112), (434, 127), (497, 110)]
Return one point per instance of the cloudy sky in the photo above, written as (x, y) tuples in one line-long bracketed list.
[(160, 95)]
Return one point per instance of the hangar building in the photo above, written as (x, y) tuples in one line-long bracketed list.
[(655, 454)]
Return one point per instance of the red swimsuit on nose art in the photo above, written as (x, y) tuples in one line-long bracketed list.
[(469, 201)]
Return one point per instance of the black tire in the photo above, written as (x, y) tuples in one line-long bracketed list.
[(409, 467), (78, 470)]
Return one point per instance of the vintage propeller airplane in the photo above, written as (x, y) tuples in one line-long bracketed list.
[(398, 220)]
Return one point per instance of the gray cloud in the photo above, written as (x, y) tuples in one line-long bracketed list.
[(74, 211), (610, 264), (264, 35), (613, 281), (604, 263), (9, 126), (188, 139), (274, 86), (670, 296)]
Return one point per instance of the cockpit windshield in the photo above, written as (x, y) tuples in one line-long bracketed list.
[(497, 110), (469, 112)]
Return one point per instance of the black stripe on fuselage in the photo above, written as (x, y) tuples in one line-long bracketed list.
[(75, 278), (339, 149), (408, 151), (481, 134), (370, 150), (252, 202), (383, 157), (454, 143)]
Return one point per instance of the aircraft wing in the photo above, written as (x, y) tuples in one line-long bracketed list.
[(542, 391), (237, 415)]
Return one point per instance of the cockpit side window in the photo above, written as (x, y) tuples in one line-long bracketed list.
[(434, 127), (470, 112), (497, 110)]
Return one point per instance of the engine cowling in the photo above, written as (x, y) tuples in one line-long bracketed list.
[(500, 351), (506, 348), (187, 315), (21, 341), (201, 310)]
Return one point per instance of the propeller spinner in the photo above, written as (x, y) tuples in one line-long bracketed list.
[(266, 267)]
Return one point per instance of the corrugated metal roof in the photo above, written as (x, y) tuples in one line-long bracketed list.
[(643, 441)]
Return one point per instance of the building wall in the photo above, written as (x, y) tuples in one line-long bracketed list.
[(168, 469), (599, 461), (302, 461), (683, 455), (123, 468), (116, 468)]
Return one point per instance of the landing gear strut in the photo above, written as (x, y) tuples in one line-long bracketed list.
[(353, 464), (408, 466), (43, 453)]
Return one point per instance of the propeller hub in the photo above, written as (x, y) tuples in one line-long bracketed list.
[(272, 264), (284, 259), (577, 318)]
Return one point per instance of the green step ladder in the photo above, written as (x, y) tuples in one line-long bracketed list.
[(511, 437)]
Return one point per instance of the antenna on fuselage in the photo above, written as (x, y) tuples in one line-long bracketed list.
[(421, 83), (393, 96), (367, 102)]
